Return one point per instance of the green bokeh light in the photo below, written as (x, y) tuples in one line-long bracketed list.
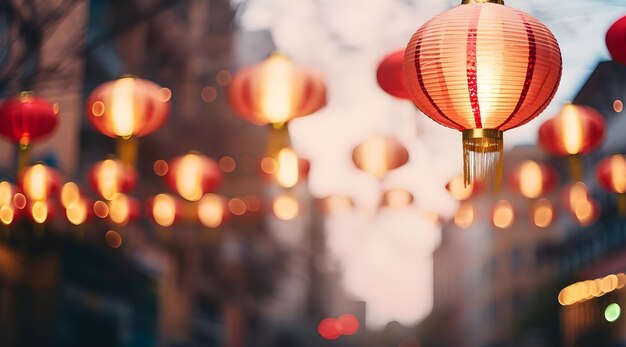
[(612, 312)]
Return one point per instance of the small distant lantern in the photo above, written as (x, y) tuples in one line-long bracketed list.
[(533, 179), (390, 76), (379, 155), (164, 209), (192, 175), (575, 131), (111, 176), (128, 108), (611, 174)]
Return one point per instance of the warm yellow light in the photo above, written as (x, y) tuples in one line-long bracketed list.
[(543, 213), (618, 173), (584, 212), (101, 209), (572, 129), (6, 214), (237, 206), (6, 193), (76, 212), (123, 112), (277, 89), (578, 192), (458, 190), (189, 177), (108, 178), (398, 198), (211, 210), (618, 106), (286, 207), (36, 182), (98, 108), (503, 214), (165, 94), (337, 204), (464, 216), (119, 209), (585, 290), (531, 179), (374, 157), (70, 193), (287, 175), (164, 210), (39, 211)]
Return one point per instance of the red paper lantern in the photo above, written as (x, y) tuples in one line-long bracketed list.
[(379, 155), (616, 40), (275, 91), (532, 179), (112, 176), (611, 174), (192, 175), (128, 107), (27, 118), (390, 76), (576, 130), (482, 68)]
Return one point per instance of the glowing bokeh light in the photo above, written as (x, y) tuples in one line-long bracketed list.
[(39, 211), (227, 164), (464, 216), (101, 209), (288, 168), (543, 213), (347, 324), (286, 207), (113, 239), (160, 167), (164, 210), (503, 214), (237, 206), (328, 329), (211, 210), (612, 312)]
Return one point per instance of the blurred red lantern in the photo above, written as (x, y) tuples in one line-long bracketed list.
[(192, 175), (165, 209), (212, 210), (39, 181), (390, 76), (611, 174), (380, 154), (123, 209), (616, 40), (127, 108), (27, 118), (533, 179), (111, 176), (275, 91), (482, 68), (576, 130), (579, 204)]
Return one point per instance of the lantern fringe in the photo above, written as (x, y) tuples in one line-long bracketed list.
[(127, 150), (621, 204), (482, 157), (575, 168)]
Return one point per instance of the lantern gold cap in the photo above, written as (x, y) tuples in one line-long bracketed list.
[(500, 2)]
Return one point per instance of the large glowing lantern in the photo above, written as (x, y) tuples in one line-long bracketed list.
[(275, 91), (39, 181), (390, 76), (576, 130), (533, 179), (379, 155), (482, 68), (192, 175), (111, 176), (616, 40), (127, 108), (611, 174)]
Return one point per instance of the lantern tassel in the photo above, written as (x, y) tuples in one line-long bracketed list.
[(127, 150), (621, 204), (482, 156), (575, 168)]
